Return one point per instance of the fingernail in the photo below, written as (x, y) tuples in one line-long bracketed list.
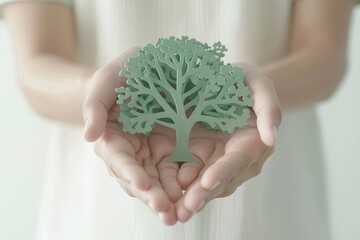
[(201, 205), (215, 185), (275, 131)]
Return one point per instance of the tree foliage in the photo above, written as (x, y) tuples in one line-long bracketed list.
[(179, 82)]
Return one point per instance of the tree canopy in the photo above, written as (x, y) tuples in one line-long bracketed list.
[(179, 82)]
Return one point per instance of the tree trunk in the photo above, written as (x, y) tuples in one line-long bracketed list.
[(182, 153)]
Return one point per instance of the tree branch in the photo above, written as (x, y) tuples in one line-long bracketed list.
[(192, 90), (215, 120), (224, 112), (152, 115), (193, 102), (158, 97), (166, 124)]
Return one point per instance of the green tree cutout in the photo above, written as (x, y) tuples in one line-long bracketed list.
[(180, 82)]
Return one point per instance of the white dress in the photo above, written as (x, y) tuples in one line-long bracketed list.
[(287, 201)]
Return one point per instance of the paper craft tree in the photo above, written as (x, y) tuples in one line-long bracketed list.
[(180, 82)]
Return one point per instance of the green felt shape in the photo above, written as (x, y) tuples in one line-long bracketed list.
[(180, 82)]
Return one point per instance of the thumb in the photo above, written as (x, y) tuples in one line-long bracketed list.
[(101, 95), (95, 117), (266, 104)]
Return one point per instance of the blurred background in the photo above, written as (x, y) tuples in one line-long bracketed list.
[(22, 158)]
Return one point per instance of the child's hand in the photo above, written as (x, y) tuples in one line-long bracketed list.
[(132, 159), (229, 161)]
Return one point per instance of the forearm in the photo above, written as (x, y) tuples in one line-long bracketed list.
[(308, 75), (317, 55), (55, 87), (44, 35)]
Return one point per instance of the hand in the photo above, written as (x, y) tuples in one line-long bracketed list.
[(228, 161), (134, 160), (128, 157)]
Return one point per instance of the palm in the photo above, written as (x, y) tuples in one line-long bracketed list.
[(148, 152), (136, 160), (209, 146), (214, 150)]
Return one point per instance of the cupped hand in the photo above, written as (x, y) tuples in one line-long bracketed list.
[(134, 160), (227, 161)]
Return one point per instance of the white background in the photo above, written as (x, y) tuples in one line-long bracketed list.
[(22, 158)]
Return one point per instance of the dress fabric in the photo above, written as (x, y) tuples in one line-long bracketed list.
[(287, 201)]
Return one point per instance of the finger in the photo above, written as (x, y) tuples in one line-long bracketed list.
[(155, 198), (225, 190), (188, 173), (101, 96), (168, 178), (125, 186), (194, 200), (234, 169), (118, 155), (182, 213), (230, 188), (255, 169), (195, 197), (125, 167), (242, 151), (266, 104), (207, 151), (151, 170), (161, 146), (231, 164), (227, 186), (185, 212), (169, 217)]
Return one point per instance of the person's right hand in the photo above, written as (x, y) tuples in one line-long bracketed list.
[(134, 160)]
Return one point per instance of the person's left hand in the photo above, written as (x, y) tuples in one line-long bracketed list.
[(227, 161)]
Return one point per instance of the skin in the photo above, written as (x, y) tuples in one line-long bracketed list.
[(59, 88)]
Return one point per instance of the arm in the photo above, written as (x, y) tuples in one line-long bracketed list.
[(310, 73), (45, 39), (56, 86), (318, 50)]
